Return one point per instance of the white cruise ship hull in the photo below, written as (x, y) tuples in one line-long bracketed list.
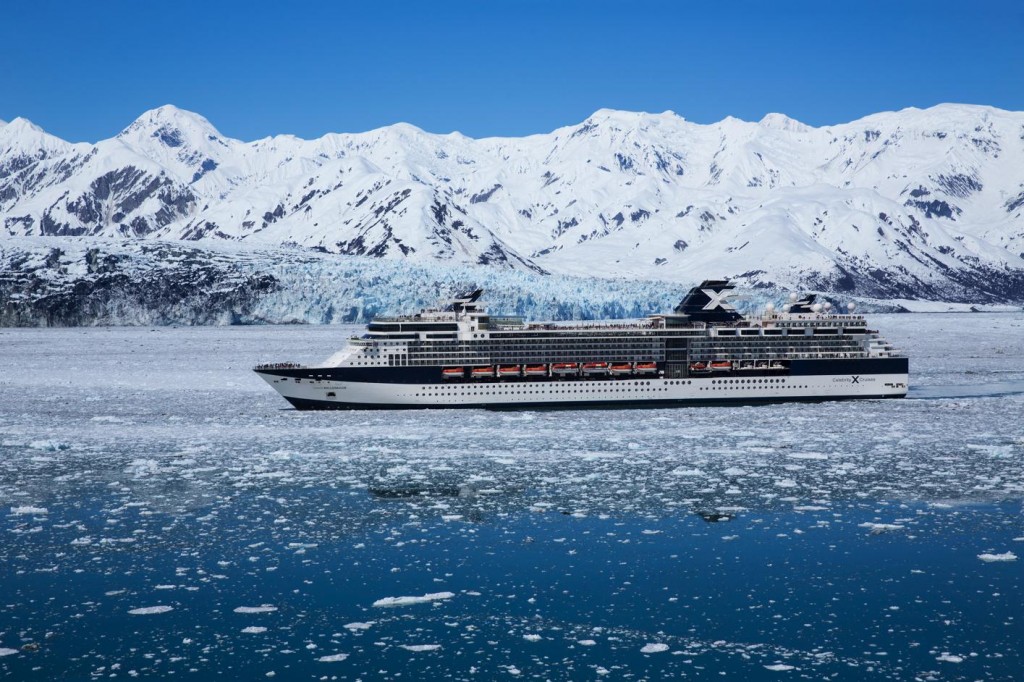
[(308, 393)]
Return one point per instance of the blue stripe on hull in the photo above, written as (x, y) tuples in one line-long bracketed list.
[(801, 368)]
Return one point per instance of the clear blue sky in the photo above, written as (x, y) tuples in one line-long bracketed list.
[(84, 70)]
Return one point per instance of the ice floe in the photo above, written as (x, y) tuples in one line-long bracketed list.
[(1005, 556), (265, 608), (150, 610), (407, 601), (654, 648), (355, 627), (878, 528), (29, 510)]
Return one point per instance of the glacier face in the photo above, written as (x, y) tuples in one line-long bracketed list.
[(924, 204), (47, 281)]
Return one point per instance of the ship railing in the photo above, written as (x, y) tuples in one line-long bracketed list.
[(422, 317), (584, 325), (278, 365)]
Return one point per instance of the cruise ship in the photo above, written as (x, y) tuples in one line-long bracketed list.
[(704, 352)]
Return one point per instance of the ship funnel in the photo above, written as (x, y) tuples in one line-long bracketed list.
[(708, 302)]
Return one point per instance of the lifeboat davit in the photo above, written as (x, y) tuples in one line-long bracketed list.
[(536, 370), (619, 369), (453, 373), (482, 372), (646, 367), (595, 367), (564, 368), (508, 370)]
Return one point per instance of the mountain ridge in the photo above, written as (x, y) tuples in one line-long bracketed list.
[(917, 203)]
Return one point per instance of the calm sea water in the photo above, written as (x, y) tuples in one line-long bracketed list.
[(163, 512)]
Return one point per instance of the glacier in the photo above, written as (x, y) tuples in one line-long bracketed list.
[(915, 204), (87, 281)]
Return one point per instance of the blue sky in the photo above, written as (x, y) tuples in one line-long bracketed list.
[(85, 70)]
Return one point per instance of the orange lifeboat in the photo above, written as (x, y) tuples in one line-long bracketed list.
[(536, 370), (508, 370), (699, 367), (564, 368), (595, 367), (453, 373), (482, 372), (721, 365), (646, 367), (621, 368)]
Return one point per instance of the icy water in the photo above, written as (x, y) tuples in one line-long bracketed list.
[(164, 513)]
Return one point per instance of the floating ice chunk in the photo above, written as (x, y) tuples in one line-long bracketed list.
[(532, 638), (406, 601), (150, 610), (1006, 556), (333, 658), (254, 630), (29, 511), (949, 658), (8, 652), (779, 667), (687, 472), (420, 647), (877, 528), (265, 608), (354, 627), (807, 455), (785, 483), (654, 648), (650, 532), (49, 445), (586, 642)]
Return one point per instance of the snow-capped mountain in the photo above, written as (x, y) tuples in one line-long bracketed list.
[(911, 204)]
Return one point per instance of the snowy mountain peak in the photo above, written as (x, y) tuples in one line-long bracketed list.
[(182, 142), (23, 125), (783, 122), (22, 137), (171, 128)]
